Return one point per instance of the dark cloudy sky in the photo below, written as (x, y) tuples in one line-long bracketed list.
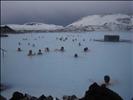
[(58, 12)]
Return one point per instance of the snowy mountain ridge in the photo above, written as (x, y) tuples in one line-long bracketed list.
[(112, 22), (34, 26), (101, 20)]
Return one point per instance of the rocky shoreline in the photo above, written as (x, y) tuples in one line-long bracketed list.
[(95, 92)]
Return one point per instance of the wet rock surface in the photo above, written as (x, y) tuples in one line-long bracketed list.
[(73, 97), (2, 98), (95, 92)]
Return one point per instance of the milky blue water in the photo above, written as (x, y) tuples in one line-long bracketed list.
[(59, 73)]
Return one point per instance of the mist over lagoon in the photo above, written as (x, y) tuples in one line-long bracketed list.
[(61, 48), (59, 73)]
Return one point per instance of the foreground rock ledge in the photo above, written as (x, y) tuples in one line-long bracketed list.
[(95, 92)]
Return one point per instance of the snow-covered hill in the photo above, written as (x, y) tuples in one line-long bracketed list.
[(35, 27), (113, 22)]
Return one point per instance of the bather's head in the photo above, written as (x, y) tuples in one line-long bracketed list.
[(107, 79)]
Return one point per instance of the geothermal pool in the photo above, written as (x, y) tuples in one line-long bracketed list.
[(59, 73)]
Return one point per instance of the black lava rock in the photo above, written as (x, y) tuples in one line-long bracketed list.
[(97, 92), (50, 98), (2, 98), (17, 96), (42, 97)]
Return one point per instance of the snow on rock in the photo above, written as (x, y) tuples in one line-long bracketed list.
[(101, 20), (104, 22), (112, 22), (35, 27)]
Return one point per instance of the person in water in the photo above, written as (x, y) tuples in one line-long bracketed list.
[(86, 49), (47, 49), (30, 53), (33, 45), (28, 43), (107, 81), (62, 49), (19, 43), (39, 52), (75, 55), (19, 49), (79, 44)]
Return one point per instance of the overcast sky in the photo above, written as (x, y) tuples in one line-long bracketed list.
[(58, 12)]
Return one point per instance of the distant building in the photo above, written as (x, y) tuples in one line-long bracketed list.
[(3, 35), (112, 38)]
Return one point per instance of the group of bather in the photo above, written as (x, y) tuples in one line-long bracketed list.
[(30, 53), (62, 49)]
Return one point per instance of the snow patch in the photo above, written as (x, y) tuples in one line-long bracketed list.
[(34, 27)]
